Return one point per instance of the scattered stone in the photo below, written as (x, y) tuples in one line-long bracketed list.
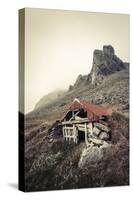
[(102, 127), (104, 136), (51, 140), (96, 141), (96, 131)]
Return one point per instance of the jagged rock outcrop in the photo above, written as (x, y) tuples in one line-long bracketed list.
[(107, 83), (105, 62), (81, 80)]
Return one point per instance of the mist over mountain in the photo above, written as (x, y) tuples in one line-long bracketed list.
[(49, 98), (107, 83)]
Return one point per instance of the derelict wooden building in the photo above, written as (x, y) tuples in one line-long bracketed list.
[(81, 119)]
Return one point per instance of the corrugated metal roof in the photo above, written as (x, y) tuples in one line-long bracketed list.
[(93, 111), (89, 107), (97, 110)]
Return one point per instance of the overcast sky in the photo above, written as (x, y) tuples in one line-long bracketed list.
[(59, 46)]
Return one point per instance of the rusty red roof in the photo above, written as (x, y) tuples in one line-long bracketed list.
[(97, 110), (93, 110)]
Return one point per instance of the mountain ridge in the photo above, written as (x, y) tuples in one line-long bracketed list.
[(107, 83)]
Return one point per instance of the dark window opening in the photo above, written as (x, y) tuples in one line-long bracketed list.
[(82, 114), (81, 136), (104, 118), (68, 116)]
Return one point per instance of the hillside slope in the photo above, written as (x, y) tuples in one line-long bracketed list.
[(49, 98), (51, 163), (107, 83)]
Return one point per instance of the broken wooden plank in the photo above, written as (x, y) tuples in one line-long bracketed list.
[(76, 121), (74, 115)]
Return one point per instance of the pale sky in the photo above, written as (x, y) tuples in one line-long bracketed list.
[(59, 46)]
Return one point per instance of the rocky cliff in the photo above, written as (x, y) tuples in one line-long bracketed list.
[(107, 83), (105, 63)]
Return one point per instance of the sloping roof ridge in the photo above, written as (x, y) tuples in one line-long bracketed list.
[(91, 104), (76, 99), (94, 108)]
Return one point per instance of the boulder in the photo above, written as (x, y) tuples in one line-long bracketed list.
[(104, 136), (96, 131), (102, 127), (51, 140), (93, 154), (96, 141)]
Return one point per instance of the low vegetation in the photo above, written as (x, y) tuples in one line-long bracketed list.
[(52, 164)]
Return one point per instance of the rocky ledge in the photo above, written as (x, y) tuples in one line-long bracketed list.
[(105, 63)]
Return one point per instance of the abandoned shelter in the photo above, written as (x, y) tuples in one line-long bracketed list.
[(85, 121)]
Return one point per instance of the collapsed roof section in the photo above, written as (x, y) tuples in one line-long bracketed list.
[(93, 112)]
